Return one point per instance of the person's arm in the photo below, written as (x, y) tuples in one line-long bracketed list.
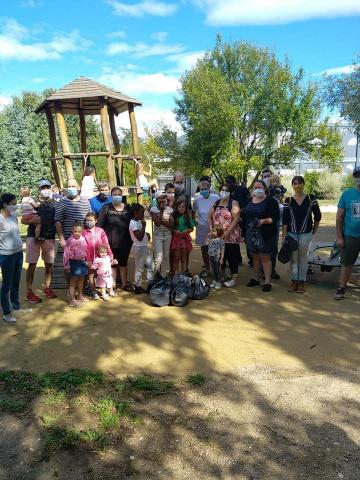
[(222, 253), (157, 218), (66, 256), (34, 220), (317, 214), (273, 213), (139, 234), (210, 217), (59, 218), (340, 215), (235, 214), (285, 218)]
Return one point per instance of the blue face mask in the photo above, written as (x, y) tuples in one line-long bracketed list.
[(117, 199), (205, 193), (71, 192)]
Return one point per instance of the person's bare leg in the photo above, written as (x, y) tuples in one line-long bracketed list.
[(267, 267), (123, 276), (80, 286), (91, 278), (72, 288), (48, 274), (114, 275), (186, 257), (205, 256), (345, 275), (172, 260), (257, 266), (30, 276), (176, 260)]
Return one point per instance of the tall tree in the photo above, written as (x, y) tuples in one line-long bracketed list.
[(241, 108)]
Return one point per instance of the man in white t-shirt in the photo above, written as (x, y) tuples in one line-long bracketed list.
[(139, 249)]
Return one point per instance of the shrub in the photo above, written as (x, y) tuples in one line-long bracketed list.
[(329, 185), (312, 183), (347, 182)]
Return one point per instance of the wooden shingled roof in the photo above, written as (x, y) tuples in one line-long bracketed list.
[(84, 93)]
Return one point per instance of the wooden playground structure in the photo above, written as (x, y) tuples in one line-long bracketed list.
[(81, 97)]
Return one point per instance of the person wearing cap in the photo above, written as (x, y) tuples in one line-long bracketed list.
[(45, 216), (161, 216), (348, 232)]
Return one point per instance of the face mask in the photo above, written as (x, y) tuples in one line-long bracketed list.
[(11, 208), (170, 195), (46, 193), (104, 194), (179, 187), (117, 199), (71, 192), (267, 180), (205, 193), (90, 223), (357, 182), (259, 192), (224, 194)]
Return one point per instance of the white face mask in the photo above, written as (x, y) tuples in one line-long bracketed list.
[(259, 192), (267, 180), (179, 187), (11, 208), (46, 193), (224, 194)]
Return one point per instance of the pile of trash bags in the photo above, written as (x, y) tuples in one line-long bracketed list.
[(177, 291)]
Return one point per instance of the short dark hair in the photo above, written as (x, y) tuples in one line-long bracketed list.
[(89, 170), (91, 214), (6, 198), (205, 178), (169, 185), (298, 178), (116, 188), (136, 207), (230, 179), (77, 224), (266, 170)]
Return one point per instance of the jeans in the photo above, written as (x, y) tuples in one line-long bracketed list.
[(11, 266), (299, 258), (143, 260), (216, 267), (161, 242)]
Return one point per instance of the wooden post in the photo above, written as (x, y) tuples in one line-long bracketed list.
[(135, 141), (60, 120), (82, 136), (53, 148), (105, 125), (117, 147)]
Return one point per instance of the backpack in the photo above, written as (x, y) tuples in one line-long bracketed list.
[(290, 245)]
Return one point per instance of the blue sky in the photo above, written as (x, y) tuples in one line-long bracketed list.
[(141, 48)]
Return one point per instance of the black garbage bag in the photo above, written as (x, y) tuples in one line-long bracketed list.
[(289, 245), (160, 291), (181, 290), (254, 239), (200, 289)]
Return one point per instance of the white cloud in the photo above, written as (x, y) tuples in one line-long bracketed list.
[(262, 12), (159, 36), (38, 80), (338, 70), (31, 3), (148, 116), (185, 61), (141, 50), (14, 44), (118, 34), (131, 83), (159, 9), (4, 101)]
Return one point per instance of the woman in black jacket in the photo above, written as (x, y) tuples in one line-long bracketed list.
[(261, 218)]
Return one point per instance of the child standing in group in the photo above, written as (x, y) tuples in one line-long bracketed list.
[(216, 250), (88, 183), (75, 262), (181, 243), (29, 206), (139, 248), (102, 265), (95, 237)]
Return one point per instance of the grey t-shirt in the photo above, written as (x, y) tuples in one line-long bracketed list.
[(10, 240), (216, 247)]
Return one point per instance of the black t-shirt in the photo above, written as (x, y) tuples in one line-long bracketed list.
[(268, 208), (46, 212), (241, 195), (116, 225), (299, 218)]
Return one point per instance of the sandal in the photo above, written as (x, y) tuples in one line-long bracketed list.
[(128, 288), (253, 283)]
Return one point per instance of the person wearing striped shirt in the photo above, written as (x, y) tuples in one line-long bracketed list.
[(72, 208)]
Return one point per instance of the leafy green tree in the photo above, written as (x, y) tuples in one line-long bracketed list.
[(241, 109)]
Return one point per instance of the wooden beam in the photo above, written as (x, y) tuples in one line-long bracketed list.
[(105, 125), (134, 132), (53, 148), (60, 120), (117, 147), (82, 154), (82, 137)]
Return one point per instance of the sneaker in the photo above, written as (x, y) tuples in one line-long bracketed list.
[(21, 311), (95, 296), (82, 300), (139, 290), (9, 318), (32, 298), (49, 293), (105, 297), (229, 284), (212, 284), (340, 293), (253, 283), (267, 287), (74, 303), (218, 285), (204, 273)]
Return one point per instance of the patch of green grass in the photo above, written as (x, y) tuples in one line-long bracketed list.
[(123, 408), (149, 383), (17, 381), (73, 379), (50, 420), (13, 406), (120, 386), (108, 414), (63, 438), (54, 397), (196, 380)]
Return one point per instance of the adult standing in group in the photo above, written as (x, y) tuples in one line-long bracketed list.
[(180, 193), (226, 212), (277, 191), (103, 197), (70, 209), (161, 216), (11, 257), (202, 206), (348, 232), (261, 216), (45, 215), (301, 218), (115, 218)]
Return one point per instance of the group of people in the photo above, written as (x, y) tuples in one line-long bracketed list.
[(98, 234)]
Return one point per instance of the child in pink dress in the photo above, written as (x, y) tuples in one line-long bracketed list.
[(102, 264)]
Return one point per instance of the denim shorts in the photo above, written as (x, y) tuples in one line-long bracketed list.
[(78, 268)]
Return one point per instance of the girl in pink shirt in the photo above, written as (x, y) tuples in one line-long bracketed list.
[(76, 263), (102, 264)]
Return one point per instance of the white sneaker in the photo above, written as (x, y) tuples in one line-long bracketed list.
[(217, 286), (9, 318), (21, 311), (212, 284), (230, 283)]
